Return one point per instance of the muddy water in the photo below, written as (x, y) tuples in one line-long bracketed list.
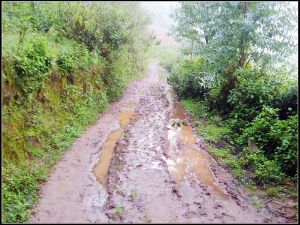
[(177, 112), (101, 169), (189, 163)]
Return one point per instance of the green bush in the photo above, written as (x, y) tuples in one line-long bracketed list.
[(276, 138), (259, 131), (258, 106), (20, 186), (67, 61), (253, 89), (190, 78), (285, 132), (121, 71), (33, 65), (288, 103), (265, 171), (195, 107)]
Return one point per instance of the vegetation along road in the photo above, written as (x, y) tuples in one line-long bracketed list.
[(108, 119), (160, 170)]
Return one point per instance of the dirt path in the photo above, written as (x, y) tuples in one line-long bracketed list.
[(158, 169)]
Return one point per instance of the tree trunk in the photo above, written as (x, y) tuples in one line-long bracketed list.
[(242, 59)]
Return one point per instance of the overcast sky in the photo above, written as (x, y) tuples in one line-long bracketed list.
[(160, 12)]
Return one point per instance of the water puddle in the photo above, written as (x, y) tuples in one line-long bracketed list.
[(101, 169), (187, 162), (177, 110)]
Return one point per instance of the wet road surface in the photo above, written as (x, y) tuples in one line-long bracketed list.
[(142, 162)]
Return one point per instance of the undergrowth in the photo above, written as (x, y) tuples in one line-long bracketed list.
[(218, 136)]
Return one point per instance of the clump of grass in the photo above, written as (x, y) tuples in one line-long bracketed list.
[(273, 191), (119, 210), (133, 195), (257, 202), (119, 167), (163, 75), (213, 130), (226, 156), (195, 108)]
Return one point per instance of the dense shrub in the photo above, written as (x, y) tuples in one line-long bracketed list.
[(265, 171), (288, 103), (217, 96), (190, 78), (252, 90), (68, 61), (32, 65), (254, 87), (276, 138), (120, 72), (258, 105)]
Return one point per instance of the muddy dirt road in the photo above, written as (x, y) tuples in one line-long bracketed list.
[(141, 162)]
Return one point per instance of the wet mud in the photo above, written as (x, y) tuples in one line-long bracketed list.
[(142, 162), (101, 169)]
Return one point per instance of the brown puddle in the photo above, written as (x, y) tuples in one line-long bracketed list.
[(101, 169), (189, 163), (177, 110)]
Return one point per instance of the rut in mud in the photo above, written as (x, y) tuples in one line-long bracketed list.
[(142, 162)]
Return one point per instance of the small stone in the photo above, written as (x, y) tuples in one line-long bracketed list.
[(175, 190), (185, 204), (109, 214), (111, 205), (197, 203)]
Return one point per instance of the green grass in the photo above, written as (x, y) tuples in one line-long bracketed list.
[(257, 202), (215, 132), (195, 108), (208, 125), (119, 210), (21, 181), (212, 132), (10, 41), (163, 75), (133, 195), (226, 156), (274, 191)]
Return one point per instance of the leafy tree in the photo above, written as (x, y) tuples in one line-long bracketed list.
[(231, 34), (246, 47)]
